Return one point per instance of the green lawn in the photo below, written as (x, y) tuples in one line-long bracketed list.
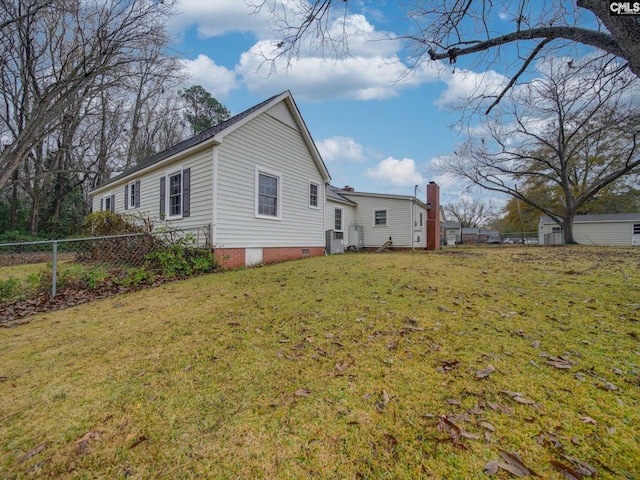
[(357, 366)]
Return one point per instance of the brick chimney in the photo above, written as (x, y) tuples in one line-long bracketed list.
[(433, 216), (348, 189)]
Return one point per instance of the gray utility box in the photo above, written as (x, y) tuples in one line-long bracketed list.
[(333, 243), (356, 237)]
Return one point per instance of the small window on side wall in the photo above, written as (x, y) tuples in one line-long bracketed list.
[(175, 195), (313, 195), (132, 195), (337, 216), (107, 204), (379, 218)]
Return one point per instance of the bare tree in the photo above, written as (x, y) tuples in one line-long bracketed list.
[(449, 29), (53, 52), (151, 76), (559, 140), (471, 212)]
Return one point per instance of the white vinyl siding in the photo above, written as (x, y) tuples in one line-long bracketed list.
[(399, 221), (612, 233), (348, 217), (274, 146), (199, 164)]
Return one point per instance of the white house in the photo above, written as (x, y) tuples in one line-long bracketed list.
[(256, 181), (400, 219), (619, 229)]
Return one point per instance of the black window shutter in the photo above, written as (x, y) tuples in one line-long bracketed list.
[(186, 192), (137, 194), (126, 197), (101, 204), (162, 197), (113, 202)]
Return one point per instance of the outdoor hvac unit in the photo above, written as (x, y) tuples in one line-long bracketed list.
[(356, 237), (333, 243)]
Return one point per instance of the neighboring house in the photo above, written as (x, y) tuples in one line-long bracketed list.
[(400, 219), (452, 233), (619, 229), (256, 181), (476, 235)]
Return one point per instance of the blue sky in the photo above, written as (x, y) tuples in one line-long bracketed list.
[(377, 130)]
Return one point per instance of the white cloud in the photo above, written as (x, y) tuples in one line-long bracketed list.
[(463, 85), (317, 78), (215, 18), (341, 149), (372, 70), (216, 79), (396, 173)]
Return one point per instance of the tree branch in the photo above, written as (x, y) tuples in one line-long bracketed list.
[(601, 40)]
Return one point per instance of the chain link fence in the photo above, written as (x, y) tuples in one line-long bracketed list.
[(29, 265), (524, 238)]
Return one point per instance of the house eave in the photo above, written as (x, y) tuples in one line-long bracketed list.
[(386, 195), (126, 177)]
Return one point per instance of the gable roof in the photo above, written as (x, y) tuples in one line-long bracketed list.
[(450, 225), (343, 195), (215, 135), (605, 217), (334, 193)]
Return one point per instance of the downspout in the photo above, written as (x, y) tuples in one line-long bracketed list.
[(324, 216), (214, 195), (413, 215)]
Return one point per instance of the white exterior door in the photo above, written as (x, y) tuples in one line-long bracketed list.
[(635, 235)]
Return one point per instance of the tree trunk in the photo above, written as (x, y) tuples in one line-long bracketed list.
[(567, 228), (14, 201)]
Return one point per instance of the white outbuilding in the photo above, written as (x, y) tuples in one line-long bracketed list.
[(614, 229)]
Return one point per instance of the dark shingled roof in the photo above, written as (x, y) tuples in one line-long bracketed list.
[(605, 217), (190, 142), (333, 193)]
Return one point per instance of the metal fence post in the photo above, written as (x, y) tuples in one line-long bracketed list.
[(55, 269)]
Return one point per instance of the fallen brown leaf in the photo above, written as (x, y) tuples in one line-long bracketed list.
[(519, 398), (488, 426), (566, 470), (588, 420), (515, 464), (383, 401), (34, 451), (492, 467), (548, 438), (560, 362), (480, 374), (302, 392), (583, 468)]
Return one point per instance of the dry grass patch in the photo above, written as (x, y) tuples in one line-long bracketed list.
[(355, 366)]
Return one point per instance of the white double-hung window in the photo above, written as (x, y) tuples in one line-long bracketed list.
[(175, 194), (268, 201)]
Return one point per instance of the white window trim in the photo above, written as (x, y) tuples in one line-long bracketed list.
[(104, 203), (317, 195), (132, 197), (167, 200), (271, 173), (341, 219), (386, 215)]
